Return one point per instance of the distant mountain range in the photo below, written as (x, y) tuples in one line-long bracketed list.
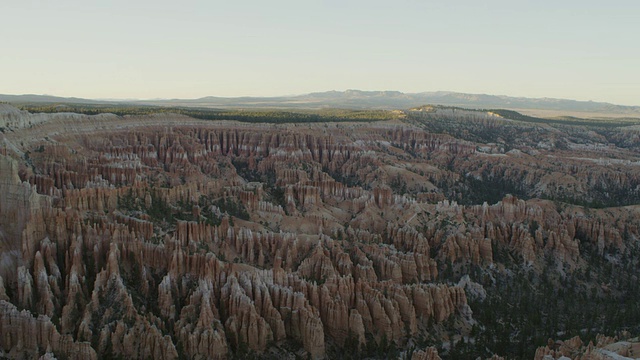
[(28, 98), (357, 99)]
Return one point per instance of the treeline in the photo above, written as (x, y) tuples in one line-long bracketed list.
[(253, 116), (463, 115), (565, 120)]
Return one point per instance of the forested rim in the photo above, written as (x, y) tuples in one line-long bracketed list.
[(301, 115), (430, 112), (251, 116)]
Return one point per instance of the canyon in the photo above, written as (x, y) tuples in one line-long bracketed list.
[(444, 233)]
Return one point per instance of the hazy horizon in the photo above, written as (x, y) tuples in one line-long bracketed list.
[(315, 92), (579, 50)]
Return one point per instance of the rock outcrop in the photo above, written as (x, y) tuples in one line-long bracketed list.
[(604, 348)]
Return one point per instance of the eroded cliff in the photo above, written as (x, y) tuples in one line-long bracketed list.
[(167, 237)]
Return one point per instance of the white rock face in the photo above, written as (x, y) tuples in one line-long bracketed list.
[(473, 289), (11, 117)]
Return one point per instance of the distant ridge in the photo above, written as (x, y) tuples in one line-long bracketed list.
[(358, 99), (48, 99)]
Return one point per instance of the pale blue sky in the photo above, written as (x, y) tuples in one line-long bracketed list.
[(586, 50)]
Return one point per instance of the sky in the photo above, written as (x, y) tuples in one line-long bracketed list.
[(584, 50)]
